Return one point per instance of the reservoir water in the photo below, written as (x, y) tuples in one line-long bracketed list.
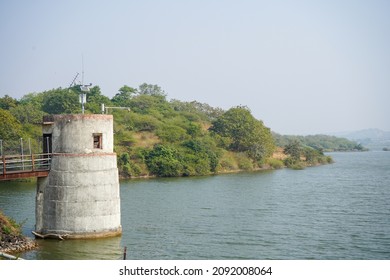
[(337, 211)]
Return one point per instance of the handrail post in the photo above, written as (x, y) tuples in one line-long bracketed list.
[(50, 161), (21, 151), (4, 167), (32, 162)]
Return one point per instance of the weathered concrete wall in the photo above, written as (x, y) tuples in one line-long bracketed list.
[(74, 133), (80, 197)]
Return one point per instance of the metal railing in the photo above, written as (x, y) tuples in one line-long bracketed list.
[(24, 163)]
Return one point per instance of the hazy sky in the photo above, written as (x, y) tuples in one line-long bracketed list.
[(303, 67)]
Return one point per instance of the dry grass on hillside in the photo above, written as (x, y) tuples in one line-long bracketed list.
[(145, 139), (278, 154)]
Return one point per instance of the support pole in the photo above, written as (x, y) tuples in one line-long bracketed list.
[(47, 145), (29, 145), (4, 167), (21, 150), (32, 162)]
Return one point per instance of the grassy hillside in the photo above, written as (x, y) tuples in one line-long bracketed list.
[(159, 137), (174, 139)]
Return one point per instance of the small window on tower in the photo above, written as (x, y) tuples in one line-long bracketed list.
[(97, 141)]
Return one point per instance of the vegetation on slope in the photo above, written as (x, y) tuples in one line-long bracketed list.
[(324, 143), (157, 137)]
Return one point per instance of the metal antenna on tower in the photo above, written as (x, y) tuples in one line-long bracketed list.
[(82, 69), (73, 83), (84, 88)]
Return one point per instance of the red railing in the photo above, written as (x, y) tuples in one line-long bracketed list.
[(21, 166)]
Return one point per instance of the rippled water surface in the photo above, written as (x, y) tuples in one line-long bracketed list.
[(337, 211)]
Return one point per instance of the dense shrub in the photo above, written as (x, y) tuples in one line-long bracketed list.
[(163, 161), (244, 163), (172, 134), (145, 123), (275, 163)]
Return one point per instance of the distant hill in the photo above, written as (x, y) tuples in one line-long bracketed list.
[(372, 138), (325, 143)]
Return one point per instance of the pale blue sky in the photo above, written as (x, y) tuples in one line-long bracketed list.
[(303, 67)]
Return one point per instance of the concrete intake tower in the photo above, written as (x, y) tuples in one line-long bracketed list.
[(80, 197)]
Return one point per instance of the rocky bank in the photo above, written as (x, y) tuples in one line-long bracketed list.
[(11, 238)]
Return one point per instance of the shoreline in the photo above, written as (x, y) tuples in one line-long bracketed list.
[(234, 171), (11, 238), (266, 168), (17, 244)]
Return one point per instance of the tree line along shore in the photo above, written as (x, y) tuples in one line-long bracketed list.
[(158, 137)]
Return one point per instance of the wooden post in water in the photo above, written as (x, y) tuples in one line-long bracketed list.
[(124, 253)]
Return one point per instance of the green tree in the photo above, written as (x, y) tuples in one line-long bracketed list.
[(95, 99), (61, 101), (237, 124), (201, 153), (293, 149), (27, 113), (149, 89), (123, 97), (163, 161), (7, 102), (260, 143), (312, 155), (201, 110), (246, 133), (155, 105), (35, 99), (194, 130), (10, 128)]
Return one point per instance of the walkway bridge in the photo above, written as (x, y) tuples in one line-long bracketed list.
[(24, 166)]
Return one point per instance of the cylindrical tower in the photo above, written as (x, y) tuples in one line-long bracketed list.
[(80, 197)]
